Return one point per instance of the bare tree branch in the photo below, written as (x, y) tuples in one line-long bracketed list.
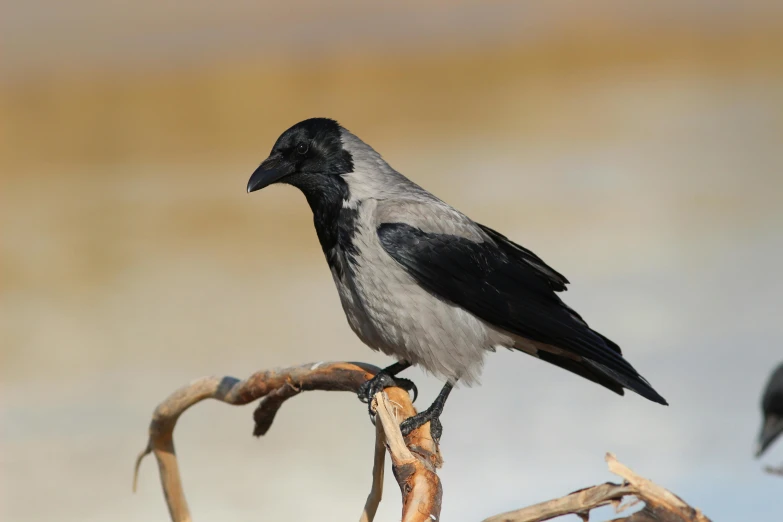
[(655, 496), (378, 465), (414, 459), (576, 502), (661, 505)]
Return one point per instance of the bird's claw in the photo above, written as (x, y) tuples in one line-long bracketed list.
[(381, 381), (369, 388), (407, 385)]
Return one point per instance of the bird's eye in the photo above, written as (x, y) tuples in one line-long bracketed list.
[(302, 148)]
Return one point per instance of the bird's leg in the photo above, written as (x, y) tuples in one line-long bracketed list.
[(431, 415), (385, 379)]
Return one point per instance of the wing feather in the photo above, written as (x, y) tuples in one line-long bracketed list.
[(512, 288)]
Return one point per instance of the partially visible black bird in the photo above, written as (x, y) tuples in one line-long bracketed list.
[(772, 409)]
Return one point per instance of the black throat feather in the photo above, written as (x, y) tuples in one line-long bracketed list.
[(335, 224)]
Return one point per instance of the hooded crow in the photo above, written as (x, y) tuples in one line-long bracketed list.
[(772, 411), (422, 282)]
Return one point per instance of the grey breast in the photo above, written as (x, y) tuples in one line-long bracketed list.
[(390, 312)]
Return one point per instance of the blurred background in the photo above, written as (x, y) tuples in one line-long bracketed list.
[(636, 146)]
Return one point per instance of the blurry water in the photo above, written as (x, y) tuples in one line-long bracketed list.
[(659, 197)]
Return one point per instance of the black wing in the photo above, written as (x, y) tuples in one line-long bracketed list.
[(555, 279), (510, 287)]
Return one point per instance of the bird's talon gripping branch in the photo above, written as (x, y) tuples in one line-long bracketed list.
[(386, 379), (372, 386)]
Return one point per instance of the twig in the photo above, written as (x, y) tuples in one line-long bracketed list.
[(660, 504), (576, 502), (414, 460), (378, 465), (654, 495)]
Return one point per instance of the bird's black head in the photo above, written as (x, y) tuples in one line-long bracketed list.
[(309, 155)]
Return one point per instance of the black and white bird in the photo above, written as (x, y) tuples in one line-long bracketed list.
[(422, 282), (772, 411)]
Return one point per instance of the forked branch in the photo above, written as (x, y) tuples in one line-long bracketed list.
[(414, 458)]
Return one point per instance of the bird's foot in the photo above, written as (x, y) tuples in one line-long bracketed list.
[(380, 382), (430, 415)]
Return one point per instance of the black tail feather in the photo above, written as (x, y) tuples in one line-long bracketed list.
[(635, 383), (605, 376), (581, 369)]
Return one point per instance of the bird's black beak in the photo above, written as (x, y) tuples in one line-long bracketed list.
[(271, 170), (770, 430)]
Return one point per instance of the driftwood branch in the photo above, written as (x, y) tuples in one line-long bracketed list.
[(661, 505), (415, 458)]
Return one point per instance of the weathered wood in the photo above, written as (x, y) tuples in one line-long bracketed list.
[(414, 459), (576, 502), (661, 505)]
